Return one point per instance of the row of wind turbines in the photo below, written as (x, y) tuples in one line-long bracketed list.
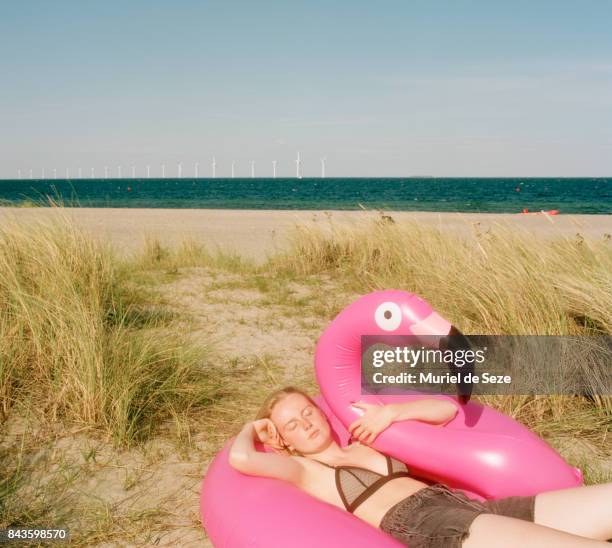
[(179, 170)]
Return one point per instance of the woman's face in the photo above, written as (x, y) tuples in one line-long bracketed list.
[(302, 425)]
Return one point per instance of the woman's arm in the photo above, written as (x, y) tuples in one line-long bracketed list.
[(378, 417), (244, 457)]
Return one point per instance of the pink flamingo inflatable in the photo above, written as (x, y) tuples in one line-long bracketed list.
[(481, 451)]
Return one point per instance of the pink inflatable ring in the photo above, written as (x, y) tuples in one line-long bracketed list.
[(481, 451)]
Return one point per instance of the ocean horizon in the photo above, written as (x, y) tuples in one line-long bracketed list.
[(479, 195)]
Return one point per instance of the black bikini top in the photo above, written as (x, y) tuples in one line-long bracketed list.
[(356, 484)]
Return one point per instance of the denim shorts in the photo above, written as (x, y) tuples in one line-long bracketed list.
[(440, 517)]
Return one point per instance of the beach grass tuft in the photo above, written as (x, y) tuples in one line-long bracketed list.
[(498, 282), (188, 253), (78, 343)]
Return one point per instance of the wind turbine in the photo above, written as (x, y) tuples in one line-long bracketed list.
[(298, 164), (252, 169), (148, 171), (43, 173), (93, 175), (67, 173), (106, 172), (179, 169), (232, 170), (19, 174), (119, 171), (163, 166), (80, 173), (274, 169), (133, 172), (55, 173), (195, 169), (323, 167), (214, 168), (30, 174)]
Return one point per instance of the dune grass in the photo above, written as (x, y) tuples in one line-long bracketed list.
[(85, 348), (80, 344), (499, 282), (188, 253)]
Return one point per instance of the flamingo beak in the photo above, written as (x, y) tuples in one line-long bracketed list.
[(455, 340)]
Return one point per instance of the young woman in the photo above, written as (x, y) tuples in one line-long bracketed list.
[(379, 489)]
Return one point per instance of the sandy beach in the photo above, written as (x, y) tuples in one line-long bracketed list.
[(259, 233)]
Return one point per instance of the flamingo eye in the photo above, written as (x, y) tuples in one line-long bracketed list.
[(388, 316)]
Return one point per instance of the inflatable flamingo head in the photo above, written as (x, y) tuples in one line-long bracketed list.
[(394, 312), (381, 313)]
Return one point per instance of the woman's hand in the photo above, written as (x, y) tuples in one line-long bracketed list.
[(266, 432), (375, 419)]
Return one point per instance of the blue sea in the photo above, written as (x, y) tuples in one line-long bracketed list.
[(510, 195)]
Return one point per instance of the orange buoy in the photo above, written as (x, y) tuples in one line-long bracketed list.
[(548, 212)]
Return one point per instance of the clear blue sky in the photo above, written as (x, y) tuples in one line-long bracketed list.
[(395, 88)]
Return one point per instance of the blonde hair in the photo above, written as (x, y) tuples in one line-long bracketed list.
[(275, 397)]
